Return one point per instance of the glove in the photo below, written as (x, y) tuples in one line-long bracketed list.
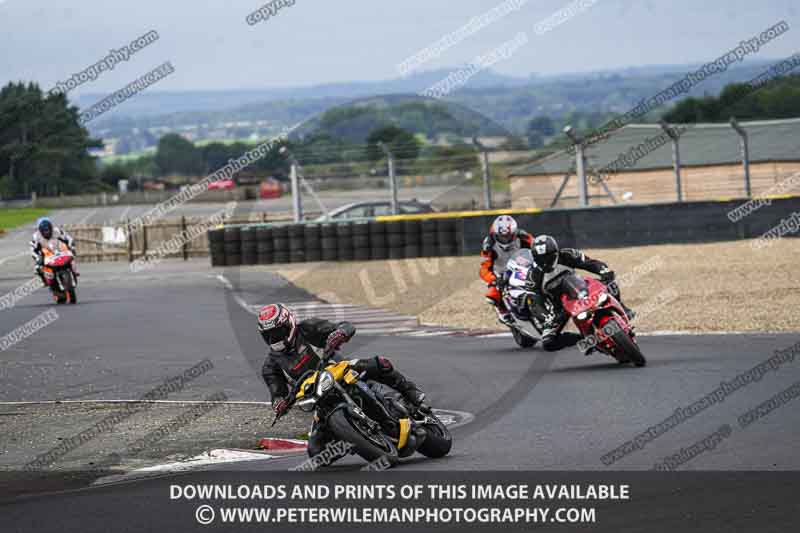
[(335, 340), (607, 276), (280, 406)]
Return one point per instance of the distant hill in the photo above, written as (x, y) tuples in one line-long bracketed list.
[(506, 101), (355, 120)]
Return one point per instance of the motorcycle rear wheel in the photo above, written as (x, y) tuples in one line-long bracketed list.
[(629, 348), (350, 431)]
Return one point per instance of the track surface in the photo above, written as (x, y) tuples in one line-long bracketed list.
[(533, 410)]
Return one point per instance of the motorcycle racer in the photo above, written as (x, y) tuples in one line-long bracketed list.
[(45, 231), (292, 346), (504, 239), (549, 260)]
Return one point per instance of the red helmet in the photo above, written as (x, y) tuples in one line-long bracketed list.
[(278, 326)]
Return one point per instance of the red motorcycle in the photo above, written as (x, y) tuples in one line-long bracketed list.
[(59, 272), (600, 318)]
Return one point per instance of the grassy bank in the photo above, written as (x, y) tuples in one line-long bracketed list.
[(14, 218)]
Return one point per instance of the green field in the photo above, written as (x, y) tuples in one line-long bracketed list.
[(13, 218)]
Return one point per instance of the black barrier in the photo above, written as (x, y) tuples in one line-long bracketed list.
[(597, 227)]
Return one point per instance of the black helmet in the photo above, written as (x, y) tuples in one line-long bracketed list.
[(45, 228), (545, 252)]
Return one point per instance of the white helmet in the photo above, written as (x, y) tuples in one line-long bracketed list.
[(505, 231)]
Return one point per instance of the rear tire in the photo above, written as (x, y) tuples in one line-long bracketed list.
[(341, 426), (629, 348), (522, 340)]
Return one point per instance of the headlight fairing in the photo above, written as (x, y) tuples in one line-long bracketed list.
[(324, 384)]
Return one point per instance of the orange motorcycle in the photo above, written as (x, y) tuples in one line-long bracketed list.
[(59, 272)]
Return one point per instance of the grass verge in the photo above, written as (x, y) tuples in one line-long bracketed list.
[(16, 217)]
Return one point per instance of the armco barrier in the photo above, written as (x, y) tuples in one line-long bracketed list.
[(450, 234)]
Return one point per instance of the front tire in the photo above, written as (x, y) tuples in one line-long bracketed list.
[(350, 431), (629, 349), (438, 440)]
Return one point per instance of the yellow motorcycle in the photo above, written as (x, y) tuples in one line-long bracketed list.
[(374, 418)]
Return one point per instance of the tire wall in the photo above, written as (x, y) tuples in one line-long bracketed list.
[(432, 236)]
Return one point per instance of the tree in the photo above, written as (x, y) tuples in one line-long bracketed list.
[(176, 155), (43, 146), (402, 144)]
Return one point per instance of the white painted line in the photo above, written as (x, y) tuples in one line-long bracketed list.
[(225, 281), (431, 333), (502, 335), (211, 457)]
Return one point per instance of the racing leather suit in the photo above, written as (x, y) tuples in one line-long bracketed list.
[(281, 368), (568, 259), (493, 264), (38, 243)]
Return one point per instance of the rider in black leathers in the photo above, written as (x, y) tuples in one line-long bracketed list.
[(292, 353), (547, 256)]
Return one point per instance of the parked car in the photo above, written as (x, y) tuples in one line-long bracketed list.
[(375, 209)]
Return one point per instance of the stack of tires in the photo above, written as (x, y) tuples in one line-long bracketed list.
[(312, 235), (297, 243), (396, 239), (447, 237), (265, 248), (216, 247), (377, 240), (249, 247), (280, 244), (344, 241), (329, 242), (360, 240), (233, 246), (412, 238), (429, 238)]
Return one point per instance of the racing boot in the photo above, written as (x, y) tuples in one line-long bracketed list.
[(628, 311), (504, 316)]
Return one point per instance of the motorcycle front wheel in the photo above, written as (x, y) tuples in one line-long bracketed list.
[(368, 444), (438, 440), (630, 350)]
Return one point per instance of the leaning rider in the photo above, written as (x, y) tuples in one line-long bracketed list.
[(45, 232), (548, 259), (504, 240), (293, 348)]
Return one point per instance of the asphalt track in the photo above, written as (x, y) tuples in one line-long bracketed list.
[(533, 410)]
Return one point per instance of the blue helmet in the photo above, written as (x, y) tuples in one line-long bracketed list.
[(45, 227)]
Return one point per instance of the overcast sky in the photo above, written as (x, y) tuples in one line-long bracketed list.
[(322, 41)]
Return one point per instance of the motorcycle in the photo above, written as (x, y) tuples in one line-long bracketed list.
[(526, 328), (59, 273), (374, 418), (597, 314)]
